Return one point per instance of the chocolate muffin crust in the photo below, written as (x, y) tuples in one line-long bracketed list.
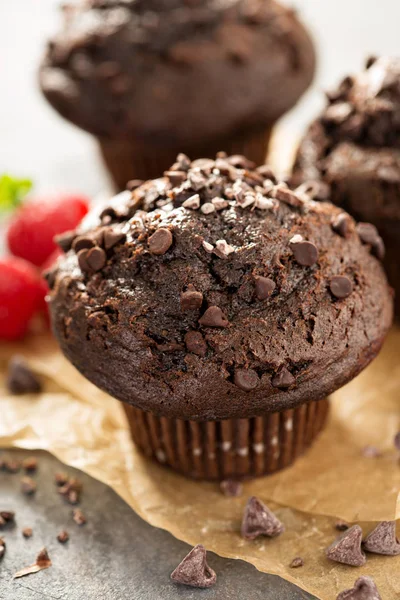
[(157, 69), (226, 296)]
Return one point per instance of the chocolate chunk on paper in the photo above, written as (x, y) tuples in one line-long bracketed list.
[(382, 539), (364, 589), (194, 570), (259, 520), (347, 548)]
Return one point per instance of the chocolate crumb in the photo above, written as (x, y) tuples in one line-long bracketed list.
[(283, 379), (6, 516), (347, 548), (195, 343), (191, 299), (214, 317), (2, 548), (63, 537), (28, 486), (342, 526), (42, 562), (259, 520), (194, 570), (296, 563), (61, 478), (231, 488), (78, 516), (27, 532), (160, 242), (371, 452), (382, 539), (21, 379), (30, 464), (246, 379), (364, 589)]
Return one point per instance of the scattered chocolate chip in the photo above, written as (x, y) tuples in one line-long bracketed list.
[(305, 253), (176, 177), (264, 287), (379, 249), (246, 379), (30, 464), (195, 343), (42, 562), (27, 532), (371, 452), (282, 193), (78, 516), (283, 379), (382, 539), (61, 478), (259, 520), (28, 486), (347, 548), (364, 589), (191, 299), (65, 240), (2, 548), (71, 490), (63, 537), (214, 317), (83, 242), (193, 202), (342, 526), (341, 287), (11, 466), (223, 249), (8, 516), (194, 570), (231, 488), (96, 259), (367, 232), (83, 265), (296, 563), (113, 237), (343, 224), (160, 241), (133, 184), (21, 379)]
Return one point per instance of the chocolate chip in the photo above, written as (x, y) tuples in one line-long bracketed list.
[(223, 249), (367, 233), (347, 548), (113, 237), (78, 517), (219, 203), (207, 208), (82, 242), (96, 259), (82, 262), (214, 317), (282, 193), (176, 177), (364, 589), (264, 287), (283, 379), (266, 172), (192, 203), (191, 299), (21, 379), (231, 488), (133, 184), (63, 537), (342, 526), (27, 532), (65, 240), (343, 224), (246, 379), (382, 539), (160, 241), (305, 253), (341, 287), (2, 547), (195, 343), (379, 249), (28, 486), (296, 563), (259, 520), (194, 570), (241, 162), (30, 464)]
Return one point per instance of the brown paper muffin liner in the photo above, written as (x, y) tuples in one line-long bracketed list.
[(235, 448), (131, 159)]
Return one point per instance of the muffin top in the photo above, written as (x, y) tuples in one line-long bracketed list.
[(176, 71), (357, 135), (215, 292)]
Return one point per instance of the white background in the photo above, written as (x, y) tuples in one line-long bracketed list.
[(35, 142)]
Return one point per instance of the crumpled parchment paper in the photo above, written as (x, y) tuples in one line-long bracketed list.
[(86, 429)]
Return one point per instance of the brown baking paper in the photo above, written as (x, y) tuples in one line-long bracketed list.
[(87, 429)]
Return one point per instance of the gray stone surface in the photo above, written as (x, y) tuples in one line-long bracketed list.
[(115, 556)]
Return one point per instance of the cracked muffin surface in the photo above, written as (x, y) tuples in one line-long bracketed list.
[(216, 292)]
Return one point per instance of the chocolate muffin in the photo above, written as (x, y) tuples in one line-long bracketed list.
[(222, 309), (354, 148), (151, 78)]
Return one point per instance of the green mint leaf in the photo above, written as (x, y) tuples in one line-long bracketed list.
[(12, 191)]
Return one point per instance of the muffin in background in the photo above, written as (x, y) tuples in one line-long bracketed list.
[(354, 148), (151, 78), (222, 309)]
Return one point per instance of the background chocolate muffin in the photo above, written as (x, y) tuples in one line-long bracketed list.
[(150, 78), (222, 308), (354, 147)]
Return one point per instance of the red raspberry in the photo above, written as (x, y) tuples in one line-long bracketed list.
[(33, 227), (19, 297)]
